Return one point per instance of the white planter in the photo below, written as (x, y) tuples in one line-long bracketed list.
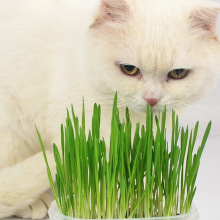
[(54, 214)]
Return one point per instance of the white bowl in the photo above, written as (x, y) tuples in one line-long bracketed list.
[(55, 214)]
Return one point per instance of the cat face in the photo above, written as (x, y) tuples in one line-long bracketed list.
[(156, 52)]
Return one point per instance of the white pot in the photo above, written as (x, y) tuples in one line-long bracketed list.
[(55, 214)]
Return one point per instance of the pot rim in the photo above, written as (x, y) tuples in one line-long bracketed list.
[(193, 211)]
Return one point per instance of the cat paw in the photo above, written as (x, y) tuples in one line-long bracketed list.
[(37, 210)]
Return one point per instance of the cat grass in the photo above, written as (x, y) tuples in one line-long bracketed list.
[(143, 176)]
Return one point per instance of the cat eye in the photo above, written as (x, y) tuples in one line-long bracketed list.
[(178, 73), (129, 69)]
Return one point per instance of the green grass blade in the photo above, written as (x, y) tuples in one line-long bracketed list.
[(48, 170)]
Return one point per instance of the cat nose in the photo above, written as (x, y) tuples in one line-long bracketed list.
[(152, 102)]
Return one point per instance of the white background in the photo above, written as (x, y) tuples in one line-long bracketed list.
[(207, 198)]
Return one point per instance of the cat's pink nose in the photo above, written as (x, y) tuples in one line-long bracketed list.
[(152, 102)]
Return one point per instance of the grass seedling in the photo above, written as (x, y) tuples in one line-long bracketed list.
[(144, 176)]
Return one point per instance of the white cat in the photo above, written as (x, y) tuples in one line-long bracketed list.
[(53, 52)]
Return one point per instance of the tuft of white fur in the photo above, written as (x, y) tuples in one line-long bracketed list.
[(55, 52)]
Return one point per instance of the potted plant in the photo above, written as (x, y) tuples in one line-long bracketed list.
[(143, 177)]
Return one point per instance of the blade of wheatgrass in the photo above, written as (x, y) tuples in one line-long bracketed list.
[(61, 194), (175, 181), (108, 192), (115, 203), (92, 177), (62, 141), (133, 212), (60, 173), (74, 175), (85, 181), (74, 119), (84, 165), (96, 151), (127, 142), (163, 145), (170, 172), (133, 169), (58, 180), (113, 160), (48, 170), (115, 104), (189, 162), (127, 156), (193, 136), (77, 165), (184, 140), (204, 140), (113, 122), (121, 176), (103, 179), (165, 154), (69, 164), (190, 198), (68, 167), (83, 116), (90, 167), (122, 200), (166, 179), (163, 123), (96, 122), (149, 163), (122, 206), (158, 164), (141, 171), (59, 165), (164, 161), (96, 178), (138, 177), (79, 178)]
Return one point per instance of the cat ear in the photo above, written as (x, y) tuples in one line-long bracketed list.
[(112, 11), (205, 18)]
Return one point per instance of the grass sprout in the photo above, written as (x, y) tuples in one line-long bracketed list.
[(144, 176)]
